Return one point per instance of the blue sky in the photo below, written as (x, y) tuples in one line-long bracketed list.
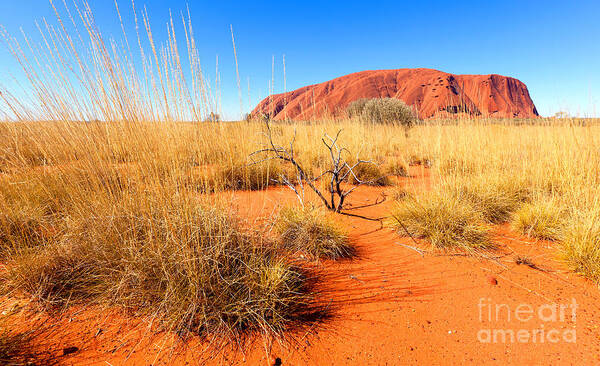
[(552, 46)]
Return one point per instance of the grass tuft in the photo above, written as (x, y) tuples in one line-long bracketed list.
[(23, 227), (370, 174), (309, 231), (443, 220), (580, 247), (254, 177), (543, 219), (457, 166), (191, 266), (495, 197), (398, 167)]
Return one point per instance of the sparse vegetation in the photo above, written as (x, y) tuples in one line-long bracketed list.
[(445, 221), (356, 108), (398, 167), (116, 167), (114, 199), (383, 111), (580, 247), (189, 265), (310, 231), (542, 219), (22, 227), (495, 197), (46, 174), (247, 176), (338, 170), (371, 174), (76, 200)]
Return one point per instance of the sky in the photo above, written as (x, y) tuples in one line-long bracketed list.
[(552, 46)]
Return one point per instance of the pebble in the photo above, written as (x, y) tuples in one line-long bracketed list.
[(69, 350)]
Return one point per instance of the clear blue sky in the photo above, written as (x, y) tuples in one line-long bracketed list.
[(552, 46)]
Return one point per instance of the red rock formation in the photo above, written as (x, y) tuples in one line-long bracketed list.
[(433, 93)]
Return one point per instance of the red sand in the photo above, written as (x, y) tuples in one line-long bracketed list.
[(392, 306), (433, 93)]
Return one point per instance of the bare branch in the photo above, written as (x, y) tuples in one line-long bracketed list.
[(340, 170)]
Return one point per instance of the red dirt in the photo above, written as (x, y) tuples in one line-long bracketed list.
[(391, 305), (433, 93)]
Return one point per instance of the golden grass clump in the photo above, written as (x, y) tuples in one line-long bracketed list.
[(495, 197), (397, 167), (191, 266), (236, 176), (23, 227), (371, 174), (420, 159), (400, 193), (580, 246), (310, 231), (250, 177), (445, 221), (457, 166), (542, 219)]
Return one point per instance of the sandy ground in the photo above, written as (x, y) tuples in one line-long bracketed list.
[(391, 305)]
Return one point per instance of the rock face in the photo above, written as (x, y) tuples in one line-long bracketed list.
[(433, 93)]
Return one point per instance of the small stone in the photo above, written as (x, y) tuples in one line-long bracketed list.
[(277, 361), (492, 280), (69, 350)]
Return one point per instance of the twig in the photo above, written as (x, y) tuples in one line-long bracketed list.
[(413, 248), (380, 219)]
